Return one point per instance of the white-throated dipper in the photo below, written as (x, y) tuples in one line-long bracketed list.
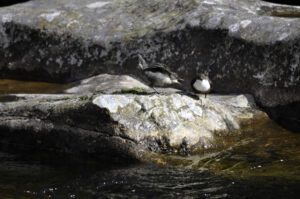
[(201, 84), (158, 75)]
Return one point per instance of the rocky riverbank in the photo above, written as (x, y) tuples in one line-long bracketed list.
[(247, 46), (124, 119)]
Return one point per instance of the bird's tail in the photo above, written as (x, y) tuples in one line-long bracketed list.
[(142, 63), (177, 79)]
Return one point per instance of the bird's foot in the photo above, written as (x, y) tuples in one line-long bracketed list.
[(155, 90)]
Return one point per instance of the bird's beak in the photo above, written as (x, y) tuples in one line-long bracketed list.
[(176, 81)]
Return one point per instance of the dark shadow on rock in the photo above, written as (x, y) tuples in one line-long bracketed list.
[(11, 2), (189, 94), (9, 98), (287, 2), (288, 116), (63, 160)]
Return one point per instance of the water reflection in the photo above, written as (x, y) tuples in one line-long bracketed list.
[(8, 86)]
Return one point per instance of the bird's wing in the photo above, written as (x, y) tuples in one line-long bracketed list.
[(168, 70), (158, 69), (162, 68), (165, 68)]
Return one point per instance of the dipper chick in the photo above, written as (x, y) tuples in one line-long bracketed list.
[(158, 75), (201, 84)]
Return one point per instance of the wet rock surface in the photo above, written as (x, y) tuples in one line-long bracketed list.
[(262, 150)]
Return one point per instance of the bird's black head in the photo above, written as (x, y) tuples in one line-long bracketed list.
[(203, 75), (176, 79)]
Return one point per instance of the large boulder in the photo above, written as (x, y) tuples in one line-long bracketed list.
[(61, 123), (121, 125), (176, 123), (247, 46)]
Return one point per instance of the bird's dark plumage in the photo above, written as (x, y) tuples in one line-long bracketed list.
[(158, 74)]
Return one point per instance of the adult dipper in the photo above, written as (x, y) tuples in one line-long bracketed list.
[(201, 84), (158, 75)]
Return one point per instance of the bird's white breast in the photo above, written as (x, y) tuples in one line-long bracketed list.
[(202, 85)]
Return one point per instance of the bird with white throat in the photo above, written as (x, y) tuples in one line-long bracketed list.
[(158, 75), (201, 84)]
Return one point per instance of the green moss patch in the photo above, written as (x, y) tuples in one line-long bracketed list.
[(135, 90)]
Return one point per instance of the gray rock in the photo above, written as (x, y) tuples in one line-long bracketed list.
[(62, 123), (105, 83), (177, 118), (247, 46), (121, 125)]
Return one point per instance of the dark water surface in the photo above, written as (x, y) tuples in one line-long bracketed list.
[(51, 176), (263, 161)]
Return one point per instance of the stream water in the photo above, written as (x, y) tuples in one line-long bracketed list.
[(261, 161), (44, 176), (8, 86)]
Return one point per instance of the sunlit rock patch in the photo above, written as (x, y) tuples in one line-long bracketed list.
[(180, 121)]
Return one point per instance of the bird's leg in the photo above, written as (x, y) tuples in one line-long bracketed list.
[(152, 86), (154, 89), (204, 95)]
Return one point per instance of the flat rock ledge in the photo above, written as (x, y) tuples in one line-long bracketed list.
[(115, 126)]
